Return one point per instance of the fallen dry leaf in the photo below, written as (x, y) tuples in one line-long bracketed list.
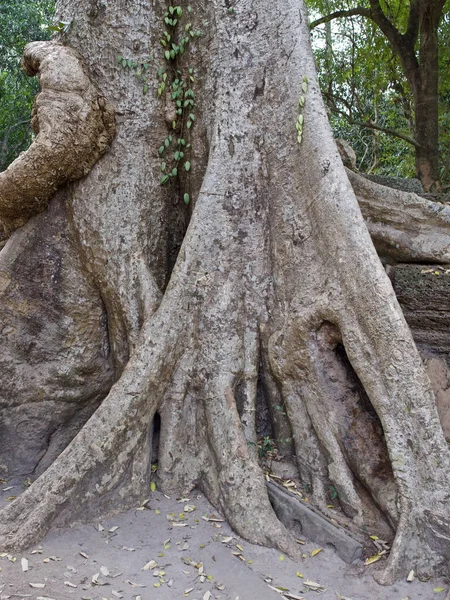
[(213, 519), (292, 596), (152, 564), (313, 585), (134, 585), (275, 589), (372, 559), (96, 581)]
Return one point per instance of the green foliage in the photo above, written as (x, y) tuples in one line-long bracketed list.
[(140, 70), (175, 85), (21, 21), (362, 82), (332, 492), (60, 27), (266, 447), (301, 105)]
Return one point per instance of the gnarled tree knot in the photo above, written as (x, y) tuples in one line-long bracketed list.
[(74, 126)]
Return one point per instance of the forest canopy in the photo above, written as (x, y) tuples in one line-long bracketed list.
[(365, 86)]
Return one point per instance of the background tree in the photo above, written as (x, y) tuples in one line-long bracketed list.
[(380, 69), (21, 21), (214, 261)]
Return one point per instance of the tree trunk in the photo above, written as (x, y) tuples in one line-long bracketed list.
[(426, 101), (422, 73), (276, 292)]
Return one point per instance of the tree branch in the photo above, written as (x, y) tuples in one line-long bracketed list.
[(412, 30), (374, 126), (402, 45), (386, 130), (393, 35), (359, 11)]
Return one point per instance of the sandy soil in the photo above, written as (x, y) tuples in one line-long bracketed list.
[(194, 557)]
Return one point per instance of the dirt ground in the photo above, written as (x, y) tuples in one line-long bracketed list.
[(180, 548)]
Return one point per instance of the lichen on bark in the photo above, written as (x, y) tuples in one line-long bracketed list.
[(276, 290)]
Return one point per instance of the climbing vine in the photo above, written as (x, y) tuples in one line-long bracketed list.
[(139, 69), (301, 105), (175, 87)]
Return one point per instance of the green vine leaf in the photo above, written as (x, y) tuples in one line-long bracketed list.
[(175, 39)]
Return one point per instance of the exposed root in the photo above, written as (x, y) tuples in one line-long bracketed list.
[(403, 226), (204, 440), (417, 449), (104, 468), (74, 125)]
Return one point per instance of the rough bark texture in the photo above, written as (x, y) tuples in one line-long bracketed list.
[(73, 124), (404, 227), (277, 291), (55, 361), (423, 292)]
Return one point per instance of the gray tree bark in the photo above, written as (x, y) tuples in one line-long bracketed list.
[(267, 285)]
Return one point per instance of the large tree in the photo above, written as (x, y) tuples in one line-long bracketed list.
[(411, 29), (212, 263)]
